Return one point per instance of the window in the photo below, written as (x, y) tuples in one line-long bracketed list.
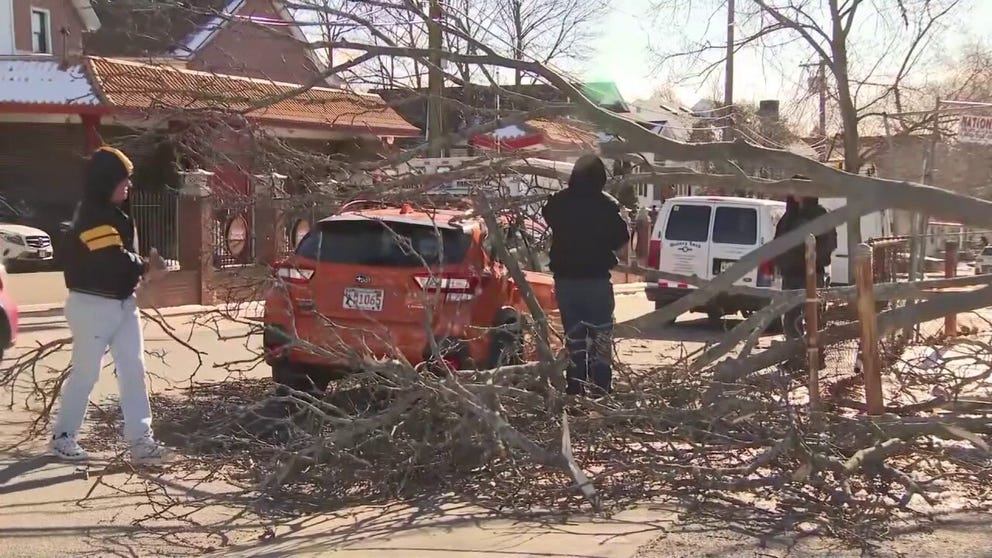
[(384, 244), (41, 31), (735, 225), (688, 223)]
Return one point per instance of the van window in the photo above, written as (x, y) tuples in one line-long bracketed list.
[(386, 244), (688, 222), (735, 225)]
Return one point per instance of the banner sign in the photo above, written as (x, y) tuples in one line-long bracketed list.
[(975, 129)]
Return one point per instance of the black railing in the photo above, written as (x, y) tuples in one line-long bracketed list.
[(156, 215)]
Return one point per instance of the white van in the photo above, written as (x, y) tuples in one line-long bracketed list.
[(702, 236), (874, 225)]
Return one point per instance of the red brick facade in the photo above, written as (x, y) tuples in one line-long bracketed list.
[(275, 53), (63, 16)]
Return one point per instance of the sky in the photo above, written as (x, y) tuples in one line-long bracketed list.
[(621, 53)]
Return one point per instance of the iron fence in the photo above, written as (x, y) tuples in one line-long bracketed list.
[(233, 233), (156, 216)]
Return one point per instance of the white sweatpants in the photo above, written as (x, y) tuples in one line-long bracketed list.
[(97, 323)]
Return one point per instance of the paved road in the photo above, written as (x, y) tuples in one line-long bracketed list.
[(28, 289), (38, 514)]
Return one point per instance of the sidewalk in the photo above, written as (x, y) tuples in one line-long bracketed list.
[(41, 317), (402, 532)]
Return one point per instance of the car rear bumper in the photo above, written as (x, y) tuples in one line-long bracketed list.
[(346, 348), (728, 303)]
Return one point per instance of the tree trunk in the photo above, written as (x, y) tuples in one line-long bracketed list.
[(518, 39), (849, 116)]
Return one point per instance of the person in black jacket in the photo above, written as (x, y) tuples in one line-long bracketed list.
[(102, 269), (792, 263), (587, 229)]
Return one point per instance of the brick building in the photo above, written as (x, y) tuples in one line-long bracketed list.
[(177, 122)]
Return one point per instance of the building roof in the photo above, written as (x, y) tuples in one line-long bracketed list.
[(33, 80), (143, 87), (87, 14), (467, 101), (130, 29), (539, 133)]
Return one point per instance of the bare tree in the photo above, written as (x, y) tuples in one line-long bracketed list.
[(869, 49), (548, 31)]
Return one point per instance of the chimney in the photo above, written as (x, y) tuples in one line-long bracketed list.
[(768, 109)]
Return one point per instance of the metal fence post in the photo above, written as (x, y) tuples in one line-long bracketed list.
[(869, 330), (950, 271), (812, 326)]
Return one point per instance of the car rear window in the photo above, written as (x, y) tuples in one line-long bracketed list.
[(735, 225), (378, 243), (688, 222)]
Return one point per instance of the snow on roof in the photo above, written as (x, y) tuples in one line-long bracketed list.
[(44, 81)]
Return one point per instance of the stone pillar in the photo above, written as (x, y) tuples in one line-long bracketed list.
[(196, 248), (91, 126), (269, 188)]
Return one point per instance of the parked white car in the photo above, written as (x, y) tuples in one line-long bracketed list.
[(22, 244)]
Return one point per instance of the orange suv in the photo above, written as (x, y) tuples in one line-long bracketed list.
[(395, 282)]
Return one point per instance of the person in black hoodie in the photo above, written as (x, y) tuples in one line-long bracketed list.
[(792, 263), (102, 269), (587, 229)]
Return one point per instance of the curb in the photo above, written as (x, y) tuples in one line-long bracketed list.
[(629, 288)]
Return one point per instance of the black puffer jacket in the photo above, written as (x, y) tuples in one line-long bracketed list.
[(100, 248), (793, 262), (586, 226)]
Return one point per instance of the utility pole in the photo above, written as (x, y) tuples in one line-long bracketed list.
[(728, 83), (435, 79), (821, 88)]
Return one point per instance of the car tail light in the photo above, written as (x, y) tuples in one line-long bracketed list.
[(454, 286), (654, 254), (766, 274), (294, 274)]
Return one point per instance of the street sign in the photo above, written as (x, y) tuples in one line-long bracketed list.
[(975, 129)]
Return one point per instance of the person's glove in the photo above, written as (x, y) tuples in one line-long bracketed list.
[(156, 266)]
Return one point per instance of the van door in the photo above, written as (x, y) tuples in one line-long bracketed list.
[(735, 233), (685, 240)]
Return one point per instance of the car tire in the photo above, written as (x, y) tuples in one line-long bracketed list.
[(5, 333), (506, 347), (295, 376)]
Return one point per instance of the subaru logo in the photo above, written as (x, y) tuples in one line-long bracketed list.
[(363, 279)]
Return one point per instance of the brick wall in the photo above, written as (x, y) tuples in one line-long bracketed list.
[(63, 16), (275, 53)]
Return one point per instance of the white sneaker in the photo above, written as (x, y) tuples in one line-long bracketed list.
[(147, 451), (66, 447)]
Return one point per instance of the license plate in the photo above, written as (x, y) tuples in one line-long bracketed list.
[(44, 253), (724, 266), (368, 300)]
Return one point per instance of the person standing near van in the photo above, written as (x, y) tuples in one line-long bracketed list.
[(587, 230), (102, 271), (792, 263)]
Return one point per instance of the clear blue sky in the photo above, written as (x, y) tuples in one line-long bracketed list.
[(621, 53)]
